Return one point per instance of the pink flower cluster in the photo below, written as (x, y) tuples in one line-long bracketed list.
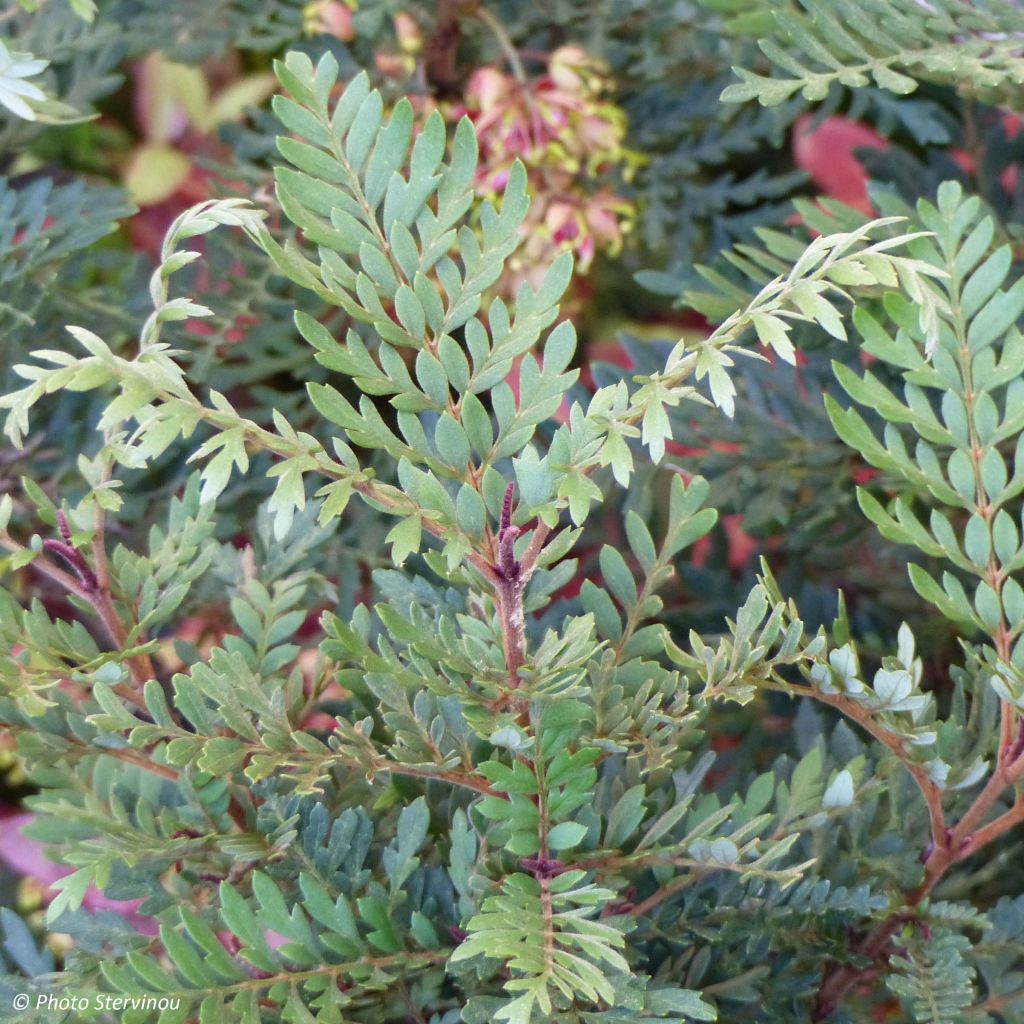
[(566, 133), (561, 124)]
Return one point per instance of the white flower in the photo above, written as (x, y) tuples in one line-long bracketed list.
[(14, 90), (840, 792)]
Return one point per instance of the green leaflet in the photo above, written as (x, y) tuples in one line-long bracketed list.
[(960, 461), (823, 42)]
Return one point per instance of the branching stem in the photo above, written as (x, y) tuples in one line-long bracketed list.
[(951, 845), (508, 590), (104, 609)]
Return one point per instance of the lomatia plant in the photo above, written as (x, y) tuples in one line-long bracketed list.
[(486, 791)]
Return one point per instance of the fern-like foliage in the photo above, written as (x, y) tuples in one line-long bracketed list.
[(964, 408), (385, 221), (41, 226), (80, 67), (449, 685), (560, 913), (995, 958), (482, 793), (815, 43), (20, 956), (693, 199), (325, 939), (192, 31), (947, 433), (932, 978)]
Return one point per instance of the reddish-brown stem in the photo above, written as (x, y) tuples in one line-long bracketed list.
[(67, 554), (533, 550), (1006, 719), (995, 828), (948, 846), (64, 580), (99, 547), (127, 755), (111, 623), (644, 907), (141, 666), (375, 497), (509, 596), (509, 587), (858, 713), (968, 836), (130, 757), (479, 785), (100, 601), (964, 840)]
